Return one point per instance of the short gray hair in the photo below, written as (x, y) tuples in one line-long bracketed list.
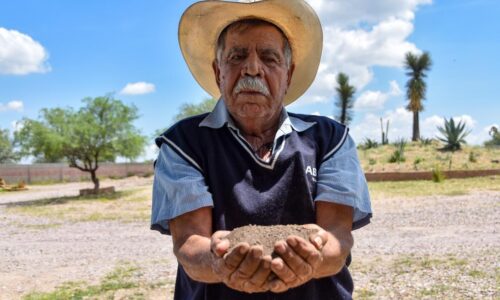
[(243, 24)]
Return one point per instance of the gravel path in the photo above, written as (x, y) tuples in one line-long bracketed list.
[(430, 248), (38, 192), (422, 248)]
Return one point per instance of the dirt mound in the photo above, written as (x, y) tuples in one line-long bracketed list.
[(267, 236)]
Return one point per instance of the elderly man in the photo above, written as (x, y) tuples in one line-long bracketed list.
[(249, 161)]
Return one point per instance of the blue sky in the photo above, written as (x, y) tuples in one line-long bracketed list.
[(54, 53)]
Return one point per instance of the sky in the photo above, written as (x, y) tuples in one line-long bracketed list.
[(54, 53)]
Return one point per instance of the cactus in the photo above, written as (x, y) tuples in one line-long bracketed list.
[(385, 134)]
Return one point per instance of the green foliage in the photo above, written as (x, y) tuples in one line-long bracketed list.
[(369, 144), (7, 153), (119, 279), (399, 154), (372, 161), (345, 100), (100, 131), (188, 110), (416, 162), (495, 137), (473, 157), (437, 175), (417, 67), (453, 135), (426, 141)]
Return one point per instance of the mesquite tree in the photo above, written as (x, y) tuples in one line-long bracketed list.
[(99, 131)]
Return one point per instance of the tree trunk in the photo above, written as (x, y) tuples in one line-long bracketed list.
[(416, 127), (95, 180)]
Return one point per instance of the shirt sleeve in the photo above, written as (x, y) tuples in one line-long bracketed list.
[(178, 188), (341, 180)]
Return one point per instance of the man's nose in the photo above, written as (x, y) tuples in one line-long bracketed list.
[(253, 66)]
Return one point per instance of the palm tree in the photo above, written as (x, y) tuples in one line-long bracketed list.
[(417, 67), (345, 100)]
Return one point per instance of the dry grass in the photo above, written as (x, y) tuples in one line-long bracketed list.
[(449, 187), (129, 206), (420, 157), (124, 282)]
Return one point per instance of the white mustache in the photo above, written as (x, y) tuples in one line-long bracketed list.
[(251, 84)]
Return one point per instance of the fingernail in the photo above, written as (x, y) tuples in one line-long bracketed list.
[(318, 240), (280, 248), (292, 242)]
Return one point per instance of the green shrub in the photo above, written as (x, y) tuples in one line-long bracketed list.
[(437, 175), (399, 154), (426, 141), (473, 157), (495, 138), (369, 144), (416, 162), (372, 161)]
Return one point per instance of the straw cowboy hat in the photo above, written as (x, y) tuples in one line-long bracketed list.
[(202, 23)]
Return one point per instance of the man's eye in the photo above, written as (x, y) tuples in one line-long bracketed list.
[(236, 57), (270, 59)]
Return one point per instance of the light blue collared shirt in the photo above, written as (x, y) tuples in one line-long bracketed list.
[(179, 188)]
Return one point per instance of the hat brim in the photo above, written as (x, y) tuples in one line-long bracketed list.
[(202, 23)]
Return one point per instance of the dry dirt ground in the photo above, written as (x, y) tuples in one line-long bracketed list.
[(438, 247)]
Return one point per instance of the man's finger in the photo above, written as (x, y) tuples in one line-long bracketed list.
[(218, 244), (234, 257), (249, 264), (305, 250), (278, 286), (297, 265), (260, 276), (282, 271)]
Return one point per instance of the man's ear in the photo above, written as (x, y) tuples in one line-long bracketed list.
[(290, 74), (215, 67)]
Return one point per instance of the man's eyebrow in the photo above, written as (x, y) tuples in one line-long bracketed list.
[(237, 50), (269, 51)]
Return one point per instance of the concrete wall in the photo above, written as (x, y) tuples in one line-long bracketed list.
[(13, 174), (61, 172)]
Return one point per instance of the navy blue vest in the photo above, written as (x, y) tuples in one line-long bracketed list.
[(248, 191)]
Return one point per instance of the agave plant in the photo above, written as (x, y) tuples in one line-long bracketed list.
[(369, 144), (453, 135), (399, 154)]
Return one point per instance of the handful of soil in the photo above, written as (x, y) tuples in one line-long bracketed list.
[(267, 236)]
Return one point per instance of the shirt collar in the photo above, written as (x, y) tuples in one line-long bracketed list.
[(220, 116)]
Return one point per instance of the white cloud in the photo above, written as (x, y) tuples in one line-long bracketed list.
[(353, 12), (138, 88), (359, 35), (376, 99), (15, 105), (20, 54)]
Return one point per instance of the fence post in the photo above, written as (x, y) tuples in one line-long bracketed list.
[(29, 174), (61, 176)]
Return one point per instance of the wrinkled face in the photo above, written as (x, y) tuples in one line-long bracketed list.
[(252, 73)]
